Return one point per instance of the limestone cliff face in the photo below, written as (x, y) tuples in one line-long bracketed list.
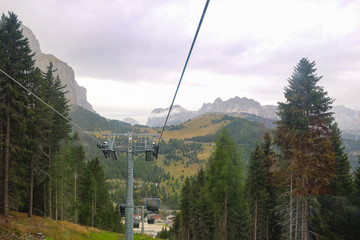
[(75, 93), (239, 105)]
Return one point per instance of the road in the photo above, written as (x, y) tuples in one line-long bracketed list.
[(151, 229)]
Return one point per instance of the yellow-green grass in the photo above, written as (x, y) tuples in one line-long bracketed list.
[(19, 225), (200, 126)]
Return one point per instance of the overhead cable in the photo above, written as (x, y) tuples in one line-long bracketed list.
[(67, 119), (187, 60)]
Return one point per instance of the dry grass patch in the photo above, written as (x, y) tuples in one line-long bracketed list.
[(200, 126)]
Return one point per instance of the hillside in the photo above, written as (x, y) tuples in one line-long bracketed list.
[(19, 226), (185, 149)]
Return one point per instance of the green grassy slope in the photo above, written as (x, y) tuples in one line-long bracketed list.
[(19, 226)]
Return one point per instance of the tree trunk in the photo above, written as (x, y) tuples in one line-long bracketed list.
[(6, 161), (2, 150), (92, 212), (267, 228), (255, 219), (45, 201), (49, 185), (296, 218), (75, 199), (291, 209), (56, 201), (31, 185), (225, 216), (304, 231)]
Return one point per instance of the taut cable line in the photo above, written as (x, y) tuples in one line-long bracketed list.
[(67, 119), (187, 60)]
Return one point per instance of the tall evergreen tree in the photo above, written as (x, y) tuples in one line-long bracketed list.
[(260, 190), (257, 193), (303, 134), (16, 60), (336, 209), (201, 210), (58, 128), (95, 206), (225, 187), (185, 215), (342, 184), (35, 122)]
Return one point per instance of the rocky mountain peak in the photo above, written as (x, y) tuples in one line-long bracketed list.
[(75, 93)]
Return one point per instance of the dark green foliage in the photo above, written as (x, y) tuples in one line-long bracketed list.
[(257, 194), (96, 208), (15, 60), (212, 204), (261, 190), (357, 179), (163, 234), (342, 184)]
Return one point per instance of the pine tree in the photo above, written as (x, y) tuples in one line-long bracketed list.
[(16, 60), (58, 128), (225, 187), (336, 209), (185, 215), (342, 184), (95, 206), (257, 193), (303, 134), (200, 209), (35, 122)]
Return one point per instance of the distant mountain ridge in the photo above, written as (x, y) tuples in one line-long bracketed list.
[(348, 119), (74, 93), (232, 105), (239, 105)]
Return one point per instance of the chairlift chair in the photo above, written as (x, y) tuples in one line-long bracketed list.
[(153, 152), (122, 210), (151, 220), (153, 204), (108, 150)]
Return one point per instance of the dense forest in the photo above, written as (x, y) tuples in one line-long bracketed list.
[(297, 185), (42, 163)]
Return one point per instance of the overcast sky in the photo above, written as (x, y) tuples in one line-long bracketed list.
[(129, 54)]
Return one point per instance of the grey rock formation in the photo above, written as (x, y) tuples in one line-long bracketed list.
[(178, 115), (239, 105), (131, 121), (348, 120), (75, 93)]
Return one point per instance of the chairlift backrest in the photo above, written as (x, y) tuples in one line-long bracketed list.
[(151, 220), (153, 204), (149, 156), (122, 210)]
